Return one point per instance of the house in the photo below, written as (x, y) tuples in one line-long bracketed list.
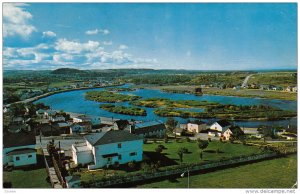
[(40, 112), (196, 126), (221, 126), (178, 131), (19, 149), (85, 118), (108, 120), (64, 127), (57, 118), (183, 126), (279, 132), (214, 133), (148, 129), (80, 127), (289, 136), (120, 124), (108, 148), (49, 113), (236, 88), (233, 132), (264, 87)]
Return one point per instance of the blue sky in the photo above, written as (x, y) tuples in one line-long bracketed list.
[(161, 36)]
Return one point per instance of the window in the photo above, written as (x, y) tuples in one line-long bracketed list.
[(29, 156), (17, 158), (119, 145), (132, 154), (120, 157)]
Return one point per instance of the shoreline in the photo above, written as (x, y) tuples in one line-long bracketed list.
[(33, 99)]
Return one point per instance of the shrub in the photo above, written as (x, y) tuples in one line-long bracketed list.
[(145, 140), (154, 140), (188, 139), (209, 139), (166, 139), (131, 164), (158, 149), (161, 146)]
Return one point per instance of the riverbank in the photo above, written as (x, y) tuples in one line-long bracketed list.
[(252, 93), (134, 111), (33, 99)]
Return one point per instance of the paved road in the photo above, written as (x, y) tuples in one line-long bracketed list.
[(244, 84)]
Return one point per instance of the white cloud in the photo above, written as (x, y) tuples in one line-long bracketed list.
[(123, 47), (49, 34), (107, 43), (65, 45), (97, 31), (16, 20)]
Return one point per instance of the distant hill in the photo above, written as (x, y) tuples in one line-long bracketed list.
[(67, 71)]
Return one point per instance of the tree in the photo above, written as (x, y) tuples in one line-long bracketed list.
[(202, 144), (171, 124), (131, 164), (180, 154)]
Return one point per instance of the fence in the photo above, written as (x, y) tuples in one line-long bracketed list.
[(129, 179)]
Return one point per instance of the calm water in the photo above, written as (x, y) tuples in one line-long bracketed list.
[(74, 101)]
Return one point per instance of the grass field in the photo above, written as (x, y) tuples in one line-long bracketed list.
[(283, 79), (226, 150), (230, 92), (276, 173)]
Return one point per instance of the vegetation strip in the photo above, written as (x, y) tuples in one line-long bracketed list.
[(124, 110), (105, 96)]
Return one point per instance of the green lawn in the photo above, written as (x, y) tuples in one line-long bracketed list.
[(27, 179), (276, 173), (226, 150)]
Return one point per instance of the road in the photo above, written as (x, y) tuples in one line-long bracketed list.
[(244, 84)]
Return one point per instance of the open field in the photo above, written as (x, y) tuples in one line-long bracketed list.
[(283, 79), (275, 173), (256, 93)]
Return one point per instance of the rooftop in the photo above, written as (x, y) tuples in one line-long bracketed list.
[(109, 137), (21, 138), (223, 123), (21, 151), (147, 124)]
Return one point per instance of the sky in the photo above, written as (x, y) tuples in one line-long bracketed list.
[(204, 36)]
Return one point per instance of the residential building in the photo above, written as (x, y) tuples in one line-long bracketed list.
[(196, 126), (221, 125), (19, 149), (49, 113), (40, 112), (148, 129), (232, 132), (120, 124), (108, 148), (57, 118), (81, 127), (87, 118), (178, 131), (289, 136)]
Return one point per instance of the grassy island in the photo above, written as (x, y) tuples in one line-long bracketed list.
[(105, 96), (124, 110), (163, 102), (120, 89), (168, 108)]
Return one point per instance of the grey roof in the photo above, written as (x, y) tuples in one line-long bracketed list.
[(111, 137), (147, 124), (21, 151), (18, 139)]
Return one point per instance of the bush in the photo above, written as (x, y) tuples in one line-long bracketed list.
[(145, 140), (161, 146), (154, 140), (209, 139), (188, 139), (131, 164), (158, 149), (166, 140)]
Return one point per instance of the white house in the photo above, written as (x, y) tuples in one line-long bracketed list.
[(108, 148), (57, 118), (196, 126), (232, 132), (289, 136), (221, 125), (49, 113), (84, 118), (19, 149)]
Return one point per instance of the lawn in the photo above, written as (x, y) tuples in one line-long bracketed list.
[(27, 178), (276, 173), (226, 150)]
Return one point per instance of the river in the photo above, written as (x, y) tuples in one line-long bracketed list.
[(74, 101)]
